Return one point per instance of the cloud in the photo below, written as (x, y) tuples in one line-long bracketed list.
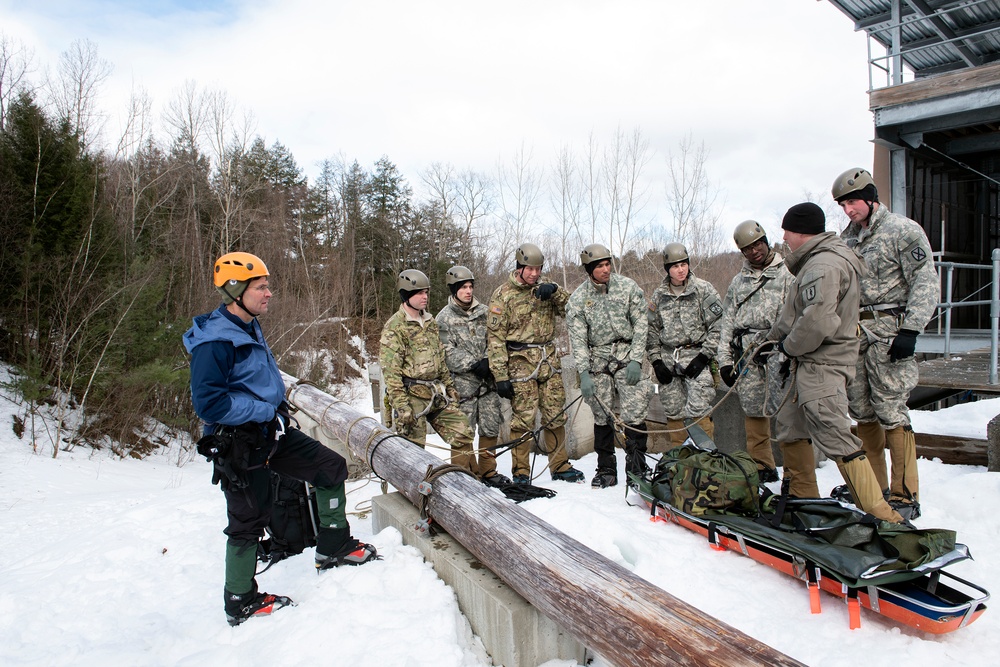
[(776, 90)]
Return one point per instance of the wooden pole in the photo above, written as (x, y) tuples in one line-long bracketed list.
[(624, 618)]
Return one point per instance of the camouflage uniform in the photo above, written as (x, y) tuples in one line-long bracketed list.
[(520, 333), (900, 273), (681, 327), (900, 291), (753, 302), (411, 354), (608, 329), (463, 335)]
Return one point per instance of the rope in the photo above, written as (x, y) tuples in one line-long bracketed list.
[(426, 488), (748, 353)]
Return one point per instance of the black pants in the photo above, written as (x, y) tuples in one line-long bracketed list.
[(298, 456)]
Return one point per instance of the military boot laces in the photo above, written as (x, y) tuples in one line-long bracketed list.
[(603, 478)]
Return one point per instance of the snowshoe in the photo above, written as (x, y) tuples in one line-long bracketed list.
[(908, 509), (767, 475), (240, 607), (842, 493), (603, 478), (496, 481), (570, 474)]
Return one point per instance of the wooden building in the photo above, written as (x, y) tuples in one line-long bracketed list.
[(934, 72)]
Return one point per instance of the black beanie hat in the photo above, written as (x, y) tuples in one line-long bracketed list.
[(804, 218)]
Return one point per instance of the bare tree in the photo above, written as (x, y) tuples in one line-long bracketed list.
[(230, 142), (187, 115), (80, 74), (16, 63), (474, 202), (440, 181), (624, 164), (139, 180), (568, 202), (692, 200), (518, 187), (593, 178)]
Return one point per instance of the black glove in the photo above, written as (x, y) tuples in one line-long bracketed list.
[(505, 389), (903, 345), (663, 374), (763, 352), (545, 291), (786, 369), (729, 376), (482, 369), (212, 447), (696, 366)]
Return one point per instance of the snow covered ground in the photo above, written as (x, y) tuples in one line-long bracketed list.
[(119, 562)]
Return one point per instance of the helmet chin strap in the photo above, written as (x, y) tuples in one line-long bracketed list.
[(871, 209), (238, 300), (409, 305)]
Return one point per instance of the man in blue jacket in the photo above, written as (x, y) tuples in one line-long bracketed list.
[(238, 391)]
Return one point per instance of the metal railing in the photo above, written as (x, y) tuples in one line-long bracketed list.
[(948, 270)]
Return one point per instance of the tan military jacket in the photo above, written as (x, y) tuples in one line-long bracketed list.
[(819, 321), (515, 315)]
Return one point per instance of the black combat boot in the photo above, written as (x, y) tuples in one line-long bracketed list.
[(635, 449)]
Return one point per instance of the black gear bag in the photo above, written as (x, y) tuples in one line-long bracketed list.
[(294, 519)]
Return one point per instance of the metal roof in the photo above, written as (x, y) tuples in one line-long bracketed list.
[(928, 36)]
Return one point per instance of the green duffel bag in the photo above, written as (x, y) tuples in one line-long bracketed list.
[(699, 482)]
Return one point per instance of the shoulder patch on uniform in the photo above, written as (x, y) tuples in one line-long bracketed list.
[(811, 293), (716, 308), (496, 309), (651, 306), (916, 252)]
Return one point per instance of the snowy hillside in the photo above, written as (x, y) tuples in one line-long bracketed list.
[(119, 562)]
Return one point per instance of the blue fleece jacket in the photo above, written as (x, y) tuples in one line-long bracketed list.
[(234, 377)]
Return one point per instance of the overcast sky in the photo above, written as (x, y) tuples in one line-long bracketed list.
[(776, 89)]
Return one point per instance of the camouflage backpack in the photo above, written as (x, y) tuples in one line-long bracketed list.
[(698, 481)]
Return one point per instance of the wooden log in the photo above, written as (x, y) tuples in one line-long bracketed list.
[(622, 617)]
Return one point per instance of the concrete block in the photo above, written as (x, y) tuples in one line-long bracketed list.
[(993, 444), (514, 633)]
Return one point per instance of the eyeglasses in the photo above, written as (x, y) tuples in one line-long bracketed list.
[(756, 244)]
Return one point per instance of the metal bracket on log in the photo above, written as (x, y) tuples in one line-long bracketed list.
[(607, 608)]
